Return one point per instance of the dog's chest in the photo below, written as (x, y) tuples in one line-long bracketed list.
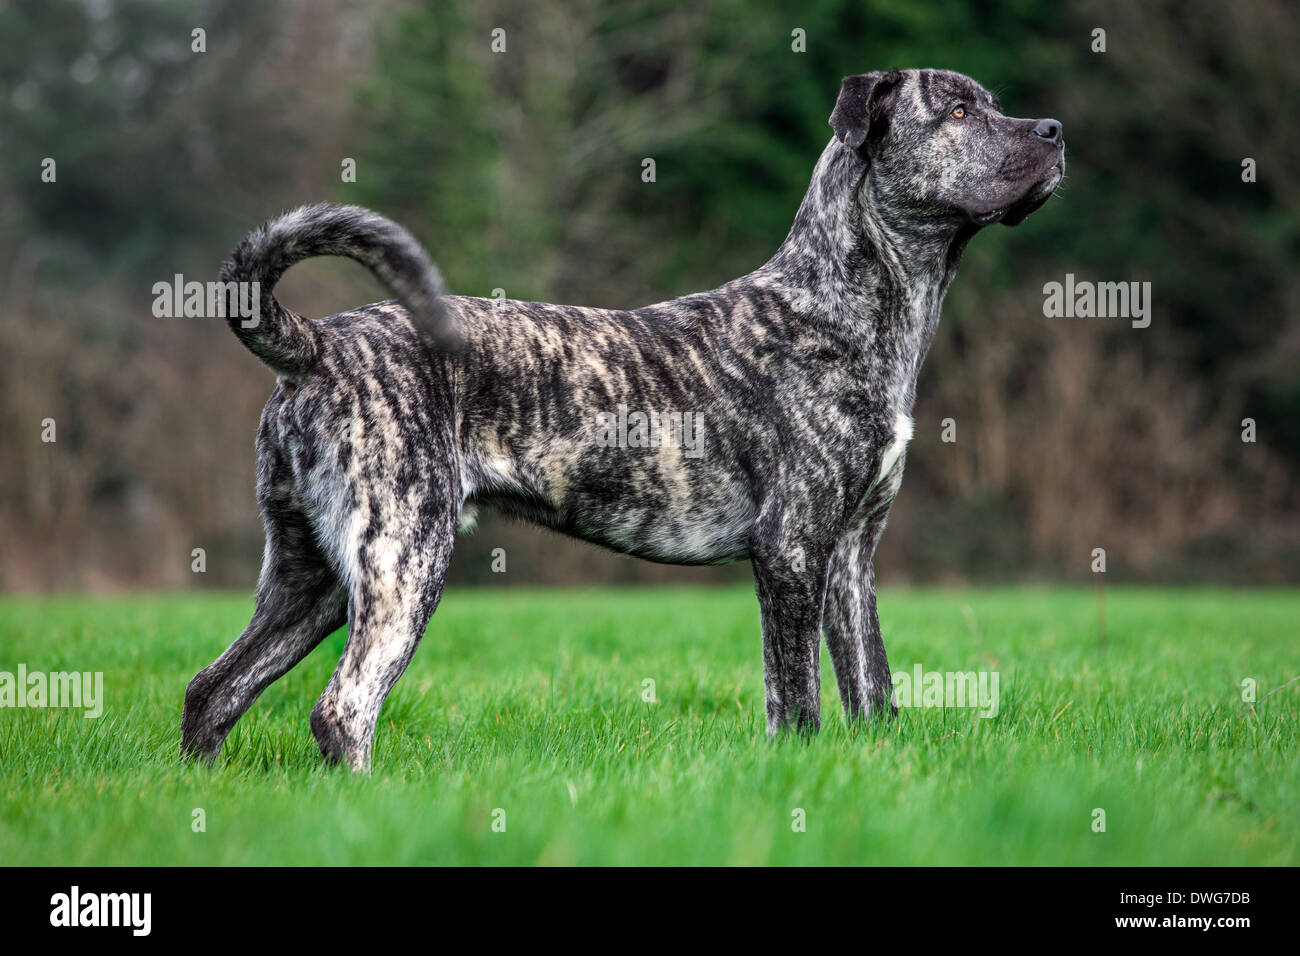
[(886, 474), (894, 450)]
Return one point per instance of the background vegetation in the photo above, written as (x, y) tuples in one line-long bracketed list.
[(522, 170)]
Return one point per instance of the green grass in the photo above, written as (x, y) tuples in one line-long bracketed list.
[(532, 702)]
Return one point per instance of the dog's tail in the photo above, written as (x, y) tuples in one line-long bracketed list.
[(289, 343)]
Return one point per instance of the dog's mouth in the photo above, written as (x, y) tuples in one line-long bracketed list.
[(1038, 194), (1030, 201)]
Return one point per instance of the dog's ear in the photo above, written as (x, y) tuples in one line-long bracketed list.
[(862, 103)]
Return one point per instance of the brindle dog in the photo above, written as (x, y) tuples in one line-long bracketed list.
[(391, 420)]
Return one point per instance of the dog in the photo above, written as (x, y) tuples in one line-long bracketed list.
[(389, 424)]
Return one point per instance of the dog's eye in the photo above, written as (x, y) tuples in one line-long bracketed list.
[(958, 112)]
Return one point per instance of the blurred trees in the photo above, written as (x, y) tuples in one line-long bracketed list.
[(164, 157), (523, 170)]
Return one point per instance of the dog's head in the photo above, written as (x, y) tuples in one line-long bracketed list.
[(938, 147)]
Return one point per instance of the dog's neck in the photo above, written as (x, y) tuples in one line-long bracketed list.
[(859, 267)]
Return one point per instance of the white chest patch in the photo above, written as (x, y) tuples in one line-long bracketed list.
[(902, 435)]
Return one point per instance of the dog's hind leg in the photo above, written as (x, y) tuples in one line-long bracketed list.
[(852, 625), (299, 602), (399, 581)]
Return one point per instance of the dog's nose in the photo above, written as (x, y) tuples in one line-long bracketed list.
[(1048, 129)]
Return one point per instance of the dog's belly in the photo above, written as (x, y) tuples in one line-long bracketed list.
[(671, 515), (697, 535), (642, 531)]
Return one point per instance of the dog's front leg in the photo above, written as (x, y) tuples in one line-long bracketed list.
[(852, 627), (790, 579)]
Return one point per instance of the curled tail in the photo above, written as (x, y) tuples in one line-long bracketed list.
[(289, 343)]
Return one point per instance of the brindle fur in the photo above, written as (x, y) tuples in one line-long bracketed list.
[(391, 420)]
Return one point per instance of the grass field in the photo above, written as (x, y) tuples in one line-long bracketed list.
[(532, 703)]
